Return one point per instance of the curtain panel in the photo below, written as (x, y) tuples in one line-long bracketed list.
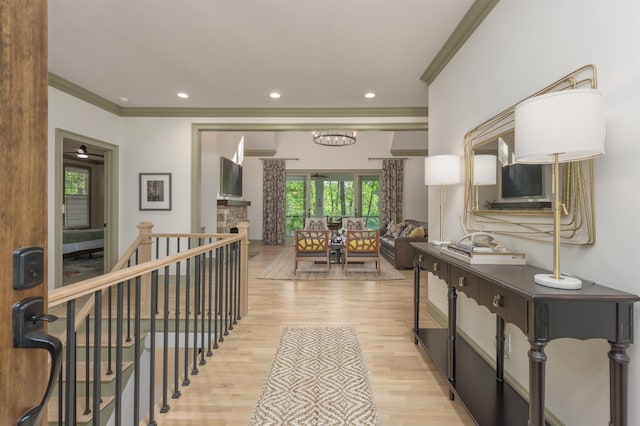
[(274, 186), (391, 190)]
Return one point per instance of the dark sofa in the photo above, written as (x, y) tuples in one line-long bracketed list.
[(398, 250)]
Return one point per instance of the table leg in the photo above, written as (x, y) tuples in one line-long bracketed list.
[(452, 297), (537, 362), (618, 384), (499, 348), (416, 300)]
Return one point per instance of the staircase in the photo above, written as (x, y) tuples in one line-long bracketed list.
[(84, 380)]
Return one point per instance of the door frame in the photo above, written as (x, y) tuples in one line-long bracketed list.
[(111, 197)]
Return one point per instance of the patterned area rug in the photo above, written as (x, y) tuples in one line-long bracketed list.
[(282, 269), (318, 377)]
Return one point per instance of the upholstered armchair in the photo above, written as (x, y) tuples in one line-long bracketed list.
[(362, 246), (313, 246)]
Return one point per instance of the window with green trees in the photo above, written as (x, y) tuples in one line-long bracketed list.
[(333, 195), (76, 197), (370, 201), (296, 201)]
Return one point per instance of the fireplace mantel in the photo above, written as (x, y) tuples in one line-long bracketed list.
[(225, 202)]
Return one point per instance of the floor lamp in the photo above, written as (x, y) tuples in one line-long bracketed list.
[(441, 170), (484, 172), (554, 128)]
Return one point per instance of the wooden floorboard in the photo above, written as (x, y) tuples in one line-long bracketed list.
[(407, 386)]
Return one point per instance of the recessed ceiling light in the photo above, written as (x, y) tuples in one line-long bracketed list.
[(124, 99), (274, 95), (369, 95), (183, 95)]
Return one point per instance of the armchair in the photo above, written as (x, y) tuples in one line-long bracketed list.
[(312, 246), (362, 246)]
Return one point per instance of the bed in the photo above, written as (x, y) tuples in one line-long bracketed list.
[(76, 242)]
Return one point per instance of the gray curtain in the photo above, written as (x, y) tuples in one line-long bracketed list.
[(391, 190), (274, 185)]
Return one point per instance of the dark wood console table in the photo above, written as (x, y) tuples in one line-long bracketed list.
[(543, 314)]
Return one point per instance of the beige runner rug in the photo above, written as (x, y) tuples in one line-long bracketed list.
[(281, 268), (318, 377)]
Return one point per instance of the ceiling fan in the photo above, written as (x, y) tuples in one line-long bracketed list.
[(83, 152), (318, 175)]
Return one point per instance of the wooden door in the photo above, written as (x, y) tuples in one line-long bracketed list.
[(23, 189)]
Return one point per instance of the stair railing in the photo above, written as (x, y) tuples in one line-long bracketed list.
[(181, 294)]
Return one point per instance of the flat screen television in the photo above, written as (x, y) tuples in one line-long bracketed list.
[(230, 178), (522, 181)]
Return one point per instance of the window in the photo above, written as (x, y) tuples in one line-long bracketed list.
[(296, 200), (333, 195), (76, 197), (370, 200)]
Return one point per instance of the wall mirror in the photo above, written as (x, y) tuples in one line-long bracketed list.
[(505, 197)]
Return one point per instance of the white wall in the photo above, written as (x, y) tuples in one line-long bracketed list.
[(521, 47), (155, 145)]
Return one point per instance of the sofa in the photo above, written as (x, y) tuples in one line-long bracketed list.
[(396, 239)]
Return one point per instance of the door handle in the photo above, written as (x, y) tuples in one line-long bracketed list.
[(28, 332)]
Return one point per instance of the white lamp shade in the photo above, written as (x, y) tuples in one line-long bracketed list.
[(570, 123), (442, 170), (484, 169)]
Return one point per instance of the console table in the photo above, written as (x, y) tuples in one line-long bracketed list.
[(543, 314)]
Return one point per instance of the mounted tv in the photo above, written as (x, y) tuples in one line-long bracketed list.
[(230, 178), (522, 181)]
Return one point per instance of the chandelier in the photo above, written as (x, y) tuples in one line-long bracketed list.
[(334, 138)]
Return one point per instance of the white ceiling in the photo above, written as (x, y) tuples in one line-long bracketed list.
[(232, 54)]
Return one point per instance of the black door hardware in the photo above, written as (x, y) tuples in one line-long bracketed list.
[(28, 332)]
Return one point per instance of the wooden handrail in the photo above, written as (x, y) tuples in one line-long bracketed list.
[(73, 291), (120, 274)]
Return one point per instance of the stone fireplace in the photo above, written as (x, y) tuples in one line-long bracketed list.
[(230, 213)]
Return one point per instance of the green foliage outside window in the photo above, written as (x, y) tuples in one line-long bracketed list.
[(76, 181), (370, 197), (295, 206), (338, 199)]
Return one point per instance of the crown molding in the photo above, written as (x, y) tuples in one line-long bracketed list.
[(468, 24), (275, 112), (81, 93)]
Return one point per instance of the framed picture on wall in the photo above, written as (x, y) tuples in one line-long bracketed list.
[(155, 191)]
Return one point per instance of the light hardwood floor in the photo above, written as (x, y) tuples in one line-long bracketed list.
[(406, 385)]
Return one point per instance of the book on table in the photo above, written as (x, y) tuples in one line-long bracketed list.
[(483, 256)]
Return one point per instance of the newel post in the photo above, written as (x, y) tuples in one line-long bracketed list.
[(243, 230), (144, 255)]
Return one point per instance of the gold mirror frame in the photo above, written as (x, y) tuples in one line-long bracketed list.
[(533, 220)]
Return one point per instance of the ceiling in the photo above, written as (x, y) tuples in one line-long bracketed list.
[(233, 54)]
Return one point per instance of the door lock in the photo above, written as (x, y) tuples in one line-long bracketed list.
[(28, 332), (28, 267)]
